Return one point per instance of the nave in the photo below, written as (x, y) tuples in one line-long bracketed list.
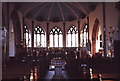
[(42, 69), (60, 40)]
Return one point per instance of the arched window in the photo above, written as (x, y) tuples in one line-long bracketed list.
[(84, 36), (56, 37), (39, 37), (27, 36), (72, 37)]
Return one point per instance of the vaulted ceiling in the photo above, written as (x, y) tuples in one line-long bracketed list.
[(55, 11)]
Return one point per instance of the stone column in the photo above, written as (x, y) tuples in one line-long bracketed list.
[(104, 30), (79, 39), (64, 35), (48, 39), (23, 41), (88, 27), (78, 33), (7, 35), (89, 43), (32, 36)]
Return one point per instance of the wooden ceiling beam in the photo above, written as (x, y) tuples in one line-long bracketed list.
[(40, 10), (49, 14), (61, 11), (32, 7), (71, 10), (77, 5)]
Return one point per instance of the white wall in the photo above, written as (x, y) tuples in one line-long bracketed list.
[(97, 14)]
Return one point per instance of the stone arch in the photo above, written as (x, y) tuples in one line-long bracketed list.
[(17, 31), (94, 35)]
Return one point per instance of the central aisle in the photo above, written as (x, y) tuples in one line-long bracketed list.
[(51, 74)]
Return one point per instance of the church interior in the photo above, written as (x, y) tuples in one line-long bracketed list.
[(61, 40)]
